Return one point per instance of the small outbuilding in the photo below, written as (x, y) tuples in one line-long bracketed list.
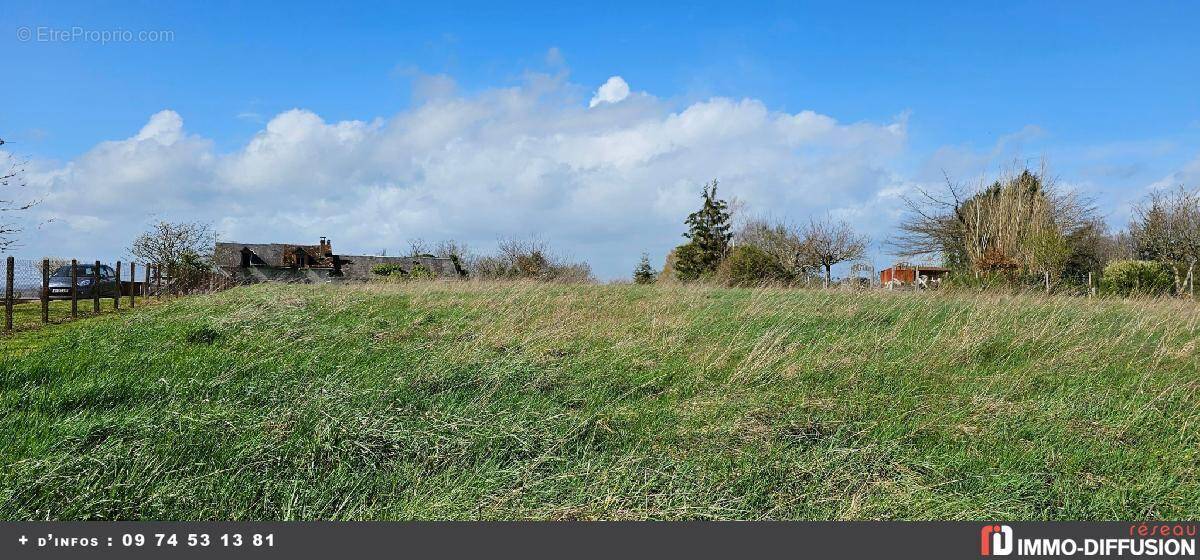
[(921, 276)]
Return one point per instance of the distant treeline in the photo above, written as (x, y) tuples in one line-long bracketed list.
[(1020, 230)]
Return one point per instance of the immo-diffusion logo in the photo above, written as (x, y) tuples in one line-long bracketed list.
[(1144, 539), (996, 540)]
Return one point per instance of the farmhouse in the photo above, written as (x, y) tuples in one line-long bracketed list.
[(921, 276), (290, 262)]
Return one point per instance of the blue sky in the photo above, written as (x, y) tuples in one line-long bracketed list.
[(1107, 93)]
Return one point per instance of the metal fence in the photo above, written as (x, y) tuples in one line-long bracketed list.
[(89, 287)]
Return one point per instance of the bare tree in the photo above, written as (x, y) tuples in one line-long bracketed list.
[(934, 225), (168, 244), (738, 215), (826, 243), (12, 179), (1166, 228), (182, 250), (452, 249), (417, 247)]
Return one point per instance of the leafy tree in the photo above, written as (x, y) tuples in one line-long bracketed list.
[(686, 263), (1047, 252), (644, 273), (1092, 248), (1133, 278), (709, 232), (748, 265)]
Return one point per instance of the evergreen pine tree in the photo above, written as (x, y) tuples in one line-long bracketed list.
[(643, 274), (709, 231)]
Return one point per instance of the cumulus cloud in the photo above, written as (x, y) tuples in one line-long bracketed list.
[(525, 160), (614, 90)]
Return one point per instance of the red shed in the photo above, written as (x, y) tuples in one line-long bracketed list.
[(908, 274)]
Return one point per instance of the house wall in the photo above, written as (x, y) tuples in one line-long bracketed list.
[(358, 267), (355, 268), (258, 274)]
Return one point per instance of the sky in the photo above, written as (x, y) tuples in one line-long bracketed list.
[(589, 126)]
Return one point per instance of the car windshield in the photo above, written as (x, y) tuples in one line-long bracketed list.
[(84, 270)]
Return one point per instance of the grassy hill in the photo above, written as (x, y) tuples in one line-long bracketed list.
[(469, 401)]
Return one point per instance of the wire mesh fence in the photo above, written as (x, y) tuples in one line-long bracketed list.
[(57, 289)]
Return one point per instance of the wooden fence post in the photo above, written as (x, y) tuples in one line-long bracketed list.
[(74, 289), (96, 288), (132, 284), (158, 281), (117, 294), (146, 284), (45, 290), (8, 293)]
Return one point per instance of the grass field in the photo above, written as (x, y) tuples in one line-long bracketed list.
[(465, 401), (28, 316)]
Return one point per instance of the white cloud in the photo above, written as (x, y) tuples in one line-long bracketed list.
[(528, 160), (160, 166), (433, 86), (165, 127), (614, 90), (1187, 175)]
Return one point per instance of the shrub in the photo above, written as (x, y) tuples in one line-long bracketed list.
[(1133, 278), (388, 269), (421, 272), (747, 265), (529, 260), (391, 271), (684, 262)]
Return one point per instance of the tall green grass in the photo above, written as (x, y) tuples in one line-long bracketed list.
[(465, 401)]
